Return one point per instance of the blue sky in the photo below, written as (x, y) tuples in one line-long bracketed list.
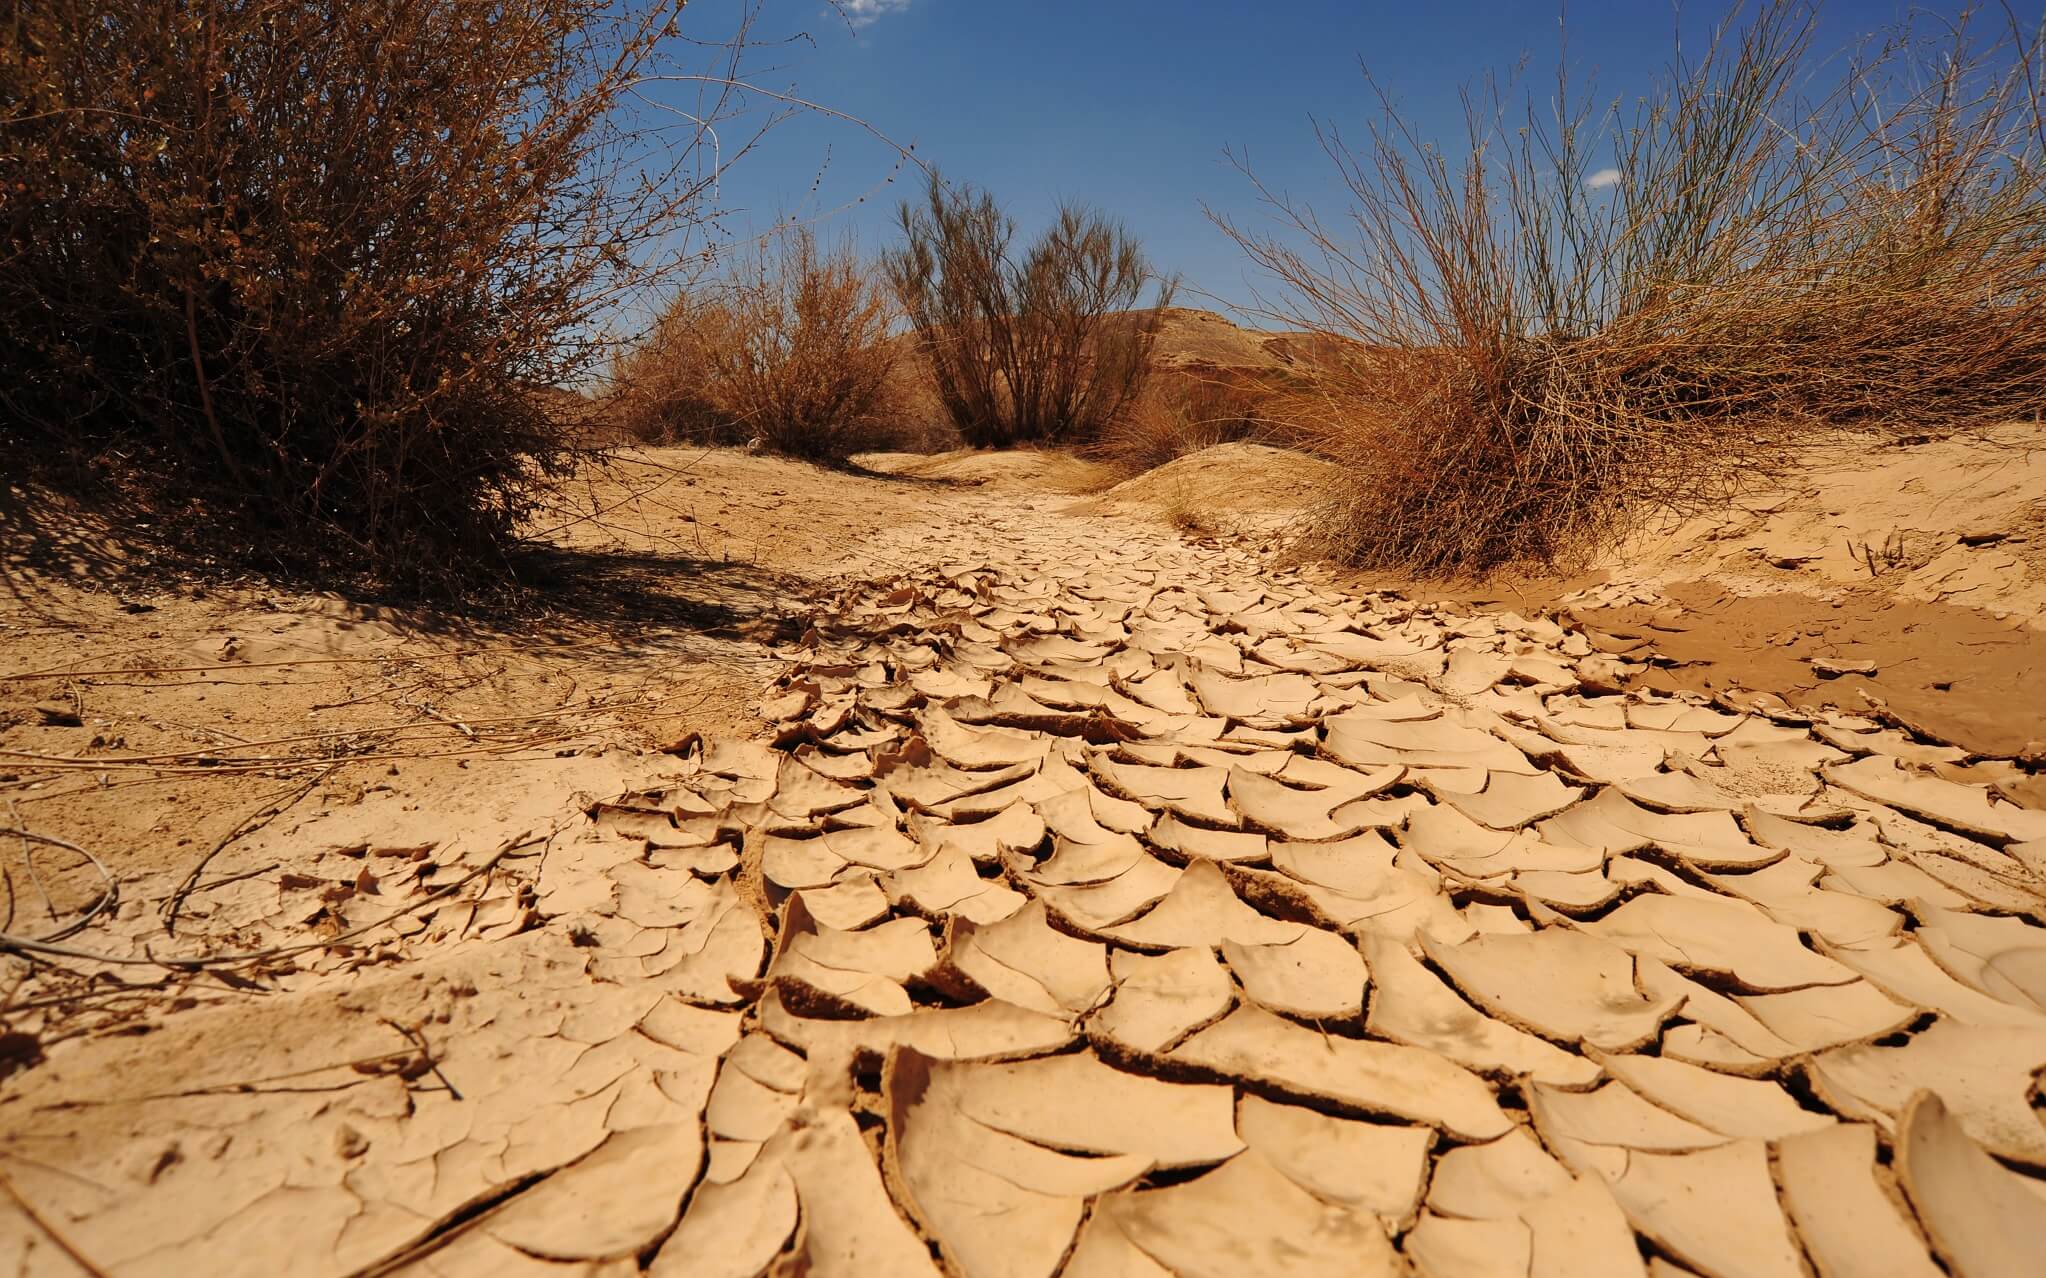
[(1130, 104)]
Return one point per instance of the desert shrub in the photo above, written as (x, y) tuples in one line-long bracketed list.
[(1601, 315), (1045, 347), (1180, 413), (790, 347), (299, 272)]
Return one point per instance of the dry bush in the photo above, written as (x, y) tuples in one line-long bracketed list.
[(296, 273), (1180, 413), (1602, 315), (1047, 347), (916, 420), (791, 348)]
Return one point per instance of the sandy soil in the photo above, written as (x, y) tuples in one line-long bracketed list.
[(932, 871)]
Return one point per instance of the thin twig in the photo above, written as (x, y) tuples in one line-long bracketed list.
[(22, 944), (50, 1231), (108, 894), (418, 1040), (256, 820)]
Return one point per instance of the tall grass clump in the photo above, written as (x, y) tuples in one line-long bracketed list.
[(299, 275), (1046, 345), (1180, 413), (790, 347), (1599, 314)]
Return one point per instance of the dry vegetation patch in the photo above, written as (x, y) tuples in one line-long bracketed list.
[(290, 273), (790, 347), (1044, 346), (1605, 313)]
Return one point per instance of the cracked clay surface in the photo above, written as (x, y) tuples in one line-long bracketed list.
[(1097, 902)]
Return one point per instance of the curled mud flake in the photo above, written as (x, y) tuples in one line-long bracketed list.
[(1411, 1005), (1247, 1217), (1601, 1131), (1444, 837), (1681, 793), (793, 863), (1267, 700), (1288, 812), (1735, 1107), (947, 884), (1897, 883), (1075, 862), (935, 786), (864, 969), (1983, 1075), (1193, 793), (2005, 958), (732, 1230), (1372, 1166), (989, 1030), (1849, 1226), (1569, 987), (1823, 1016), (980, 749), (996, 1202), (1725, 938), (1257, 1049), (651, 898), (855, 901), (1201, 909), (1023, 960), (1785, 892), (1446, 1247), (1364, 742), (1016, 827), (1159, 1000), (1900, 967), (1074, 1102), (1581, 1230), (1191, 842), (1509, 800), (1317, 975), (1420, 655), (702, 961), (1967, 808), (847, 1227), (1355, 865), (728, 757), (1715, 1210), (1857, 846), (1495, 1180), (614, 1202), (1095, 907), (1614, 823), (1573, 894), (1609, 763)]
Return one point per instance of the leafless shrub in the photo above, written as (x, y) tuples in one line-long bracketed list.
[(791, 347), (1045, 348), (300, 272), (1601, 314)]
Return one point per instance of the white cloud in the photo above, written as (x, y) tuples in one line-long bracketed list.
[(1602, 179), (864, 12)]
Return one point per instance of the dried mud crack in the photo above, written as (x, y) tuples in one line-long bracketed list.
[(1095, 902)]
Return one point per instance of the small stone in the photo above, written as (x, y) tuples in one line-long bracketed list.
[(1601, 675), (1829, 668), (59, 714), (1983, 536), (350, 1143)]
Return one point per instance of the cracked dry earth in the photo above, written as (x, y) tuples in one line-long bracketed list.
[(1100, 903)]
